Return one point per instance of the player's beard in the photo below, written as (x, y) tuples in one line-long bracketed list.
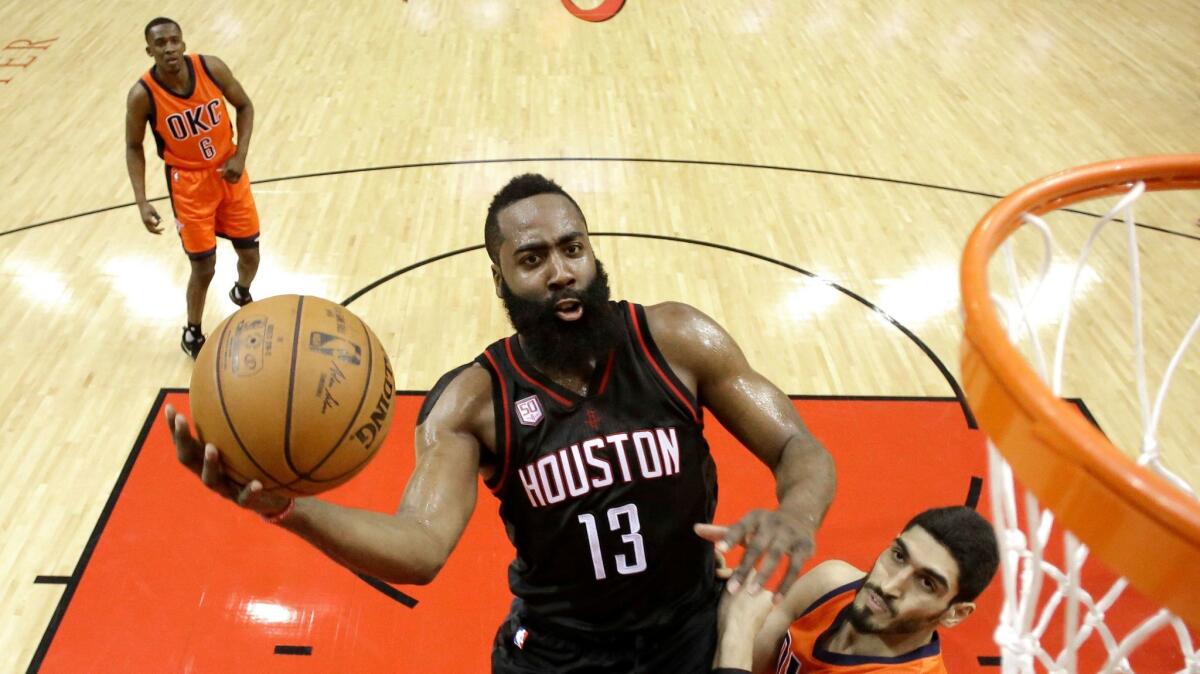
[(860, 619), (566, 346)]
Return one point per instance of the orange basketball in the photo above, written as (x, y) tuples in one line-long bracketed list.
[(295, 392)]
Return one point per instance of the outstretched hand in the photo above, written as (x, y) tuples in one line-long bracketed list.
[(768, 536), (205, 461)]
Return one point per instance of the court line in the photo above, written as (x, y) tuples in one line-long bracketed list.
[(973, 492), (94, 538), (953, 383), (632, 160), (72, 582)]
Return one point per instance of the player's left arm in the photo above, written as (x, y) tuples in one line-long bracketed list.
[(763, 419), (232, 169)]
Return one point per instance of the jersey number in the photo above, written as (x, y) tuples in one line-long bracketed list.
[(625, 566), (207, 149)]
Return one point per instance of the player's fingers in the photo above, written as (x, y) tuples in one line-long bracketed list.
[(183, 435), (210, 471), (249, 493), (173, 421), (754, 551), (737, 533), (770, 561), (185, 444), (793, 572), (713, 533)]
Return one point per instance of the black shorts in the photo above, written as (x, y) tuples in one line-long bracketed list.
[(679, 649)]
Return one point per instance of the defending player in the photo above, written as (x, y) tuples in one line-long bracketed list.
[(837, 619)]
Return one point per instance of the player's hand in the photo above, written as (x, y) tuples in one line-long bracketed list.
[(739, 618), (743, 612), (723, 569), (232, 169), (769, 536), (205, 461), (150, 218)]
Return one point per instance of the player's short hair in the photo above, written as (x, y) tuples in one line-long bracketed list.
[(971, 541), (159, 21), (521, 187)]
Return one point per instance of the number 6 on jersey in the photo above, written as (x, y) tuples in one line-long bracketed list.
[(614, 524)]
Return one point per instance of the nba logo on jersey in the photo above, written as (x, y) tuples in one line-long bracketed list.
[(529, 410), (520, 637)]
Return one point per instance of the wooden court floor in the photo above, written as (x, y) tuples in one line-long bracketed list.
[(782, 154)]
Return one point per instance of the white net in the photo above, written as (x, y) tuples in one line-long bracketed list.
[(1054, 608)]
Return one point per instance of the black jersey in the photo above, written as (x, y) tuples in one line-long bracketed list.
[(599, 493)]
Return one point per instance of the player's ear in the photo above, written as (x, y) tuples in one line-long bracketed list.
[(957, 613), (497, 279)]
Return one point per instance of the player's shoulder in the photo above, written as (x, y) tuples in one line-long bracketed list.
[(834, 573), (459, 395), (471, 378), (685, 333), (138, 95), (212, 60), (673, 311), (216, 68), (818, 582), (678, 320)]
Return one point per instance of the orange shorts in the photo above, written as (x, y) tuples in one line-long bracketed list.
[(206, 206)]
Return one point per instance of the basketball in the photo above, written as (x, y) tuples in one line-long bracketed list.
[(295, 391)]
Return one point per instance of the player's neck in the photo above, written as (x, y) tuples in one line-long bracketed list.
[(849, 641), (178, 81), (574, 379)]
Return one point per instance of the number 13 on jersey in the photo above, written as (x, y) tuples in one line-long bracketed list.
[(630, 535)]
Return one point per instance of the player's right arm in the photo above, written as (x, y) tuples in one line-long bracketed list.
[(412, 545), (137, 114)]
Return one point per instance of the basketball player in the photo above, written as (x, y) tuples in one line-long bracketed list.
[(838, 619), (586, 425), (183, 98)]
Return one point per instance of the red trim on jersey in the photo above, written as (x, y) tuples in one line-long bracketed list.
[(507, 425), (553, 396), (607, 371), (654, 363)]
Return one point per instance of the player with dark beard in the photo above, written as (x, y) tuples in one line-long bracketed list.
[(587, 425), (557, 344)]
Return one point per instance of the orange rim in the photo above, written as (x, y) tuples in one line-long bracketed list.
[(1135, 521)]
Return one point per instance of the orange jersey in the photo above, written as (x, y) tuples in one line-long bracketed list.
[(192, 131), (803, 650)]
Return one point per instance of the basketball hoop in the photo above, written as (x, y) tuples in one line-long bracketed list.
[(1137, 517)]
